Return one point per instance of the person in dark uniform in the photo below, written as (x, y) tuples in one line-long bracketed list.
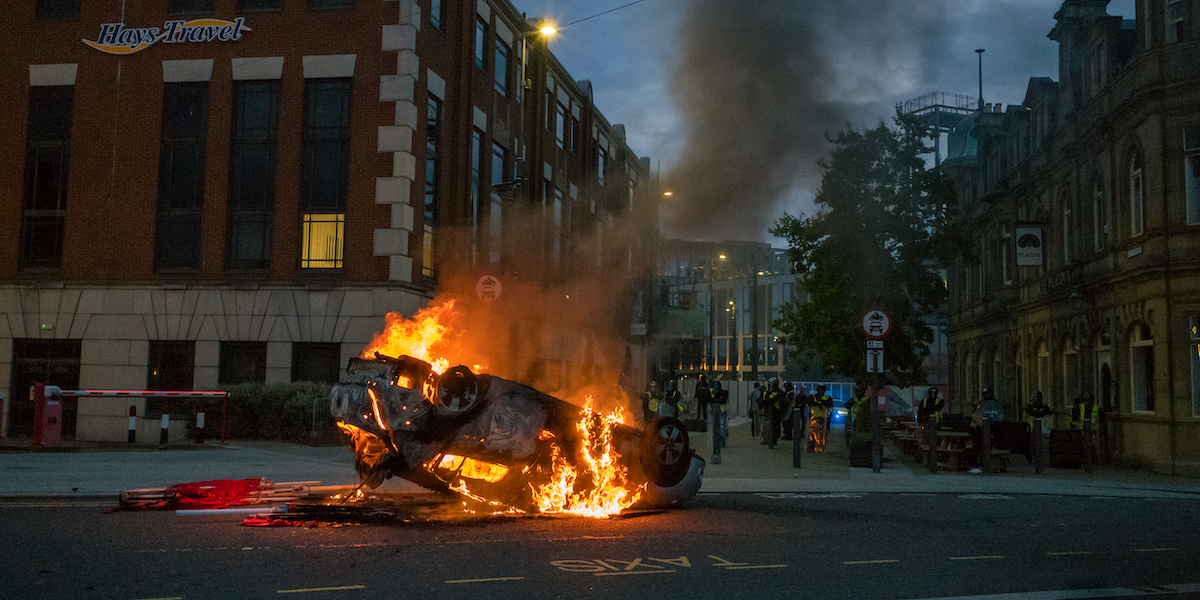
[(785, 412), (703, 397), (772, 401)]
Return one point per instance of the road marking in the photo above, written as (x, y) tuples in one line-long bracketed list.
[(870, 562), (164, 598), (975, 557), (986, 497), (1079, 553), (605, 573), (1156, 549), (60, 504), (757, 567), (322, 589), (484, 580)]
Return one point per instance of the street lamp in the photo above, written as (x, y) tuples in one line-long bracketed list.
[(711, 351)]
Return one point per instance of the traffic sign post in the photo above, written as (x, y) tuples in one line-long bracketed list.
[(876, 325)]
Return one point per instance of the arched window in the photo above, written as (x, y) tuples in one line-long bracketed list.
[(1136, 208), (1141, 368)]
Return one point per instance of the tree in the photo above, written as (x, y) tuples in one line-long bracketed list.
[(882, 227)]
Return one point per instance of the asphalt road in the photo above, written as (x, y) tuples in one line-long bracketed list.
[(728, 546)]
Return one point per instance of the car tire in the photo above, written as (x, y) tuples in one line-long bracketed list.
[(665, 453), (457, 392)]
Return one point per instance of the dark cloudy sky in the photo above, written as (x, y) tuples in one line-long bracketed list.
[(731, 99)]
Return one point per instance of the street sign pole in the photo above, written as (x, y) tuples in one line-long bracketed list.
[(876, 325)]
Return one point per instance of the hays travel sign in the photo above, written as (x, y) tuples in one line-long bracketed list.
[(116, 38)]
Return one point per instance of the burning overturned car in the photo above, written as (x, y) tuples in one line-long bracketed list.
[(504, 444)]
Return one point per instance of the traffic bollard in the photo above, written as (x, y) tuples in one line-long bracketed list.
[(200, 423), (930, 435), (714, 426), (1041, 447), (166, 423), (132, 424)]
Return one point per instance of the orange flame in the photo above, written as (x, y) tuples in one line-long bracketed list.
[(611, 491), (426, 336)]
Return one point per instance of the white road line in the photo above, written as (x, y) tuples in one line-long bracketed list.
[(484, 580), (1182, 588)]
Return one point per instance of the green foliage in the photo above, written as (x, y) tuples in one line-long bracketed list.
[(277, 411), (882, 226)]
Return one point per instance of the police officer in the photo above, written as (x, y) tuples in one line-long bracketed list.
[(651, 400), (703, 397), (1037, 411), (772, 402), (858, 417), (785, 411), (720, 401), (1086, 416), (671, 404), (818, 421), (929, 415)]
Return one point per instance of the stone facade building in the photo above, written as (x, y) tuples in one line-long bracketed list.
[(1085, 275)]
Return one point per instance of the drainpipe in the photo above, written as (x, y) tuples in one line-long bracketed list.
[(1172, 421)]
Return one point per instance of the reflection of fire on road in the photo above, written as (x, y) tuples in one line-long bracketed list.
[(498, 444)]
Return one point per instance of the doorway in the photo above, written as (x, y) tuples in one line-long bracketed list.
[(52, 362)]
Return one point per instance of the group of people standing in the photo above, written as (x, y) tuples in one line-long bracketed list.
[(671, 403), (775, 406)]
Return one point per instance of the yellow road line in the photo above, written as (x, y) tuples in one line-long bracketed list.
[(1069, 553), (165, 598), (1155, 549), (975, 557), (486, 579), (759, 567), (322, 589), (870, 562), (632, 572)]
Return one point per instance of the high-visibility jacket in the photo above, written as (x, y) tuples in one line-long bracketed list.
[(654, 398), (821, 406), (675, 401), (1085, 412), (722, 400), (1036, 412), (773, 398), (931, 407)]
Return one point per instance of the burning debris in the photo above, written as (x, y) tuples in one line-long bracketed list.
[(500, 446)]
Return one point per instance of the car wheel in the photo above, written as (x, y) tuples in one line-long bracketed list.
[(666, 455), (457, 392)]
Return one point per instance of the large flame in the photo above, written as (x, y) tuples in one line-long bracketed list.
[(426, 336), (610, 491)]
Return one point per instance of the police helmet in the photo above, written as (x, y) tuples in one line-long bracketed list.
[(1087, 398), (1037, 397), (933, 392), (671, 385), (787, 386), (716, 385), (987, 393), (773, 383)]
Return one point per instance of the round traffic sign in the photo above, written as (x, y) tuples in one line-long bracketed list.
[(876, 323), (488, 288)]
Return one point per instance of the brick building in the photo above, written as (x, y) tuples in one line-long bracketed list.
[(1086, 200), (206, 192)]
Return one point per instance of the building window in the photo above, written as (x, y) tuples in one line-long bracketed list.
[(181, 175), (259, 5), (433, 126), (1067, 231), (496, 209), (481, 28), (47, 155), (501, 67), (242, 362), (1141, 368), (171, 367), (601, 164), (561, 120), (476, 160), (325, 170), (189, 7), (323, 4), (556, 234), (1099, 216), (1176, 31), (54, 10), (1136, 210), (317, 362), (252, 174), (1191, 173), (437, 13)]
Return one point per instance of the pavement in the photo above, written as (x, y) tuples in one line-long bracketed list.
[(83, 470)]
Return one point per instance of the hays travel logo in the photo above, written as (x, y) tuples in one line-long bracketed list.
[(116, 38)]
